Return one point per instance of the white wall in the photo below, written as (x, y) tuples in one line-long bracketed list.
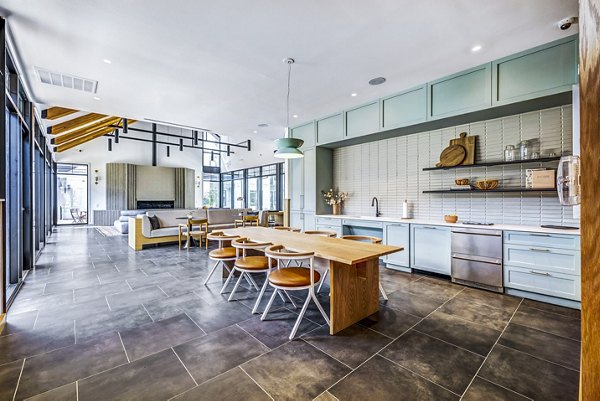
[(261, 153), (95, 154), (392, 170)]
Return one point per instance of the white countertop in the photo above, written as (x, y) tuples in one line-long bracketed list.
[(503, 227)]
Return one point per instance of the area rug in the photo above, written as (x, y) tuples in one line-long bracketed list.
[(108, 231)]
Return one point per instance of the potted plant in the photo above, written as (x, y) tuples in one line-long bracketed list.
[(335, 198)]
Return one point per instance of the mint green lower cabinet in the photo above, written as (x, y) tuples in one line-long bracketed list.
[(565, 261), (467, 91), (297, 219), (324, 227), (305, 132), (542, 282), (543, 71), (397, 235), (430, 248), (403, 109), (362, 120), (330, 129), (309, 221)]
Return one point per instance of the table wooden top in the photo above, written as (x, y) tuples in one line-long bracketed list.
[(336, 249)]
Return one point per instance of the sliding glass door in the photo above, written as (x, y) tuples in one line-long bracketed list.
[(72, 195)]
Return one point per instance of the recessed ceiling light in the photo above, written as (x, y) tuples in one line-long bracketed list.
[(263, 125), (295, 116), (377, 81), (354, 94), (107, 61), (476, 48), (255, 132), (96, 98)]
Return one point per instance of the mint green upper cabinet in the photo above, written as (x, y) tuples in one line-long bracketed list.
[(543, 71), (403, 109), (305, 132), (362, 120), (467, 91), (330, 129)]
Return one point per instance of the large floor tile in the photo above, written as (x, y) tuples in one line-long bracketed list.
[(81, 295), (54, 369), (136, 297), (550, 347), (560, 310), (530, 376), (483, 390), (16, 322), (351, 346), (68, 392), (164, 308), (70, 285), (495, 318), (462, 333), (417, 305), (157, 377), (277, 327), (232, 385), (119, 320), (216, 316), (507, 303), (211, 355), (295, 371), (382, 380), (9, 377), (390, 322), (153, 337), (549, 322), (442, 363), (34, 342)]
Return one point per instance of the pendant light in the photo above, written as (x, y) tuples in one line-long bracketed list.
[(287, 148)]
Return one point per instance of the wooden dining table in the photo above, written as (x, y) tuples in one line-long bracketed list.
[(353, 274)]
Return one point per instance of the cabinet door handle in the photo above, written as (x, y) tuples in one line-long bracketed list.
[(539, 273), (539, 235), (430, 228), (539, 250), (301, 201)]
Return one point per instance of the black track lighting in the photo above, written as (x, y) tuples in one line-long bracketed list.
[(181, 144), (195, 138), (110, 144), (228, 150), (168, 151), (124, 125), (116, 136)]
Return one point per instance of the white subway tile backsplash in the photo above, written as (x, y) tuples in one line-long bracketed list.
[(392, 170)]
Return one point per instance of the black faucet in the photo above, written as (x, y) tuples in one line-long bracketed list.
[(375, 202)]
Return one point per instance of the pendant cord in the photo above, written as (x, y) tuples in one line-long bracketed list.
[(287, 114)]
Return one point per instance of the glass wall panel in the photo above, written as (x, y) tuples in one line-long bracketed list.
[(72, 193)]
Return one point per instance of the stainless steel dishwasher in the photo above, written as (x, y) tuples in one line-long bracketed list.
[(477, 258)]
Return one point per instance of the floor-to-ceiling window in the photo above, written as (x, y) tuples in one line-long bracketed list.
[(238, 189), (252, 188), (257, 188), (210, 190), (72, 195)]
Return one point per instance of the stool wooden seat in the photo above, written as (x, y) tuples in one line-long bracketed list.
[(292, 279), (372, 240), (324, 233), (222, 253), (254, 263)]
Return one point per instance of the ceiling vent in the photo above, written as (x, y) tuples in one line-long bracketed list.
[(66, 80)]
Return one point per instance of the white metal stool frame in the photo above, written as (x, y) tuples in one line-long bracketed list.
[(221, 237), (279, 253), (372, 240)]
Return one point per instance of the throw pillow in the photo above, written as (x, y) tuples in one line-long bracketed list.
[(154, 223)]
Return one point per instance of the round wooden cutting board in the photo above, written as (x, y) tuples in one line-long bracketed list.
[(453, 155)]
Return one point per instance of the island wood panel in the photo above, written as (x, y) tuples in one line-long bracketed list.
[(354, 269), (589, 95)]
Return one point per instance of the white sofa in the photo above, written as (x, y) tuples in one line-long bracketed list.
[(141, 232)]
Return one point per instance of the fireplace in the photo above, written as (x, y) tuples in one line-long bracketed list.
[(155, 204)]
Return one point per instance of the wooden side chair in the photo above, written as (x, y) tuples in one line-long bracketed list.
[(246, 220), (372, 240), (196, 229), (292, 279)]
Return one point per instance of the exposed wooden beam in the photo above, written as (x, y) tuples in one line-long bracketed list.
[(69, 136), (87, 137), (589, 95), (54, 113), (76, 123)]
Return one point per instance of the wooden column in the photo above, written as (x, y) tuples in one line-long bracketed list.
[(589, 81)]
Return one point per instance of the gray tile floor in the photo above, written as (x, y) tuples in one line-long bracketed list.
[(98, 321)]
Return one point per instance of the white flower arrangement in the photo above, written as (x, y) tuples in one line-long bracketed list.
[(334, 197)]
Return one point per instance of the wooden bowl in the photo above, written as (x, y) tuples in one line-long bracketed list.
[(486, 185), (462, 181), (450, 218)]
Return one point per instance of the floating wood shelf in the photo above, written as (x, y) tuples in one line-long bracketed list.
[(470, 191), (496, 163)]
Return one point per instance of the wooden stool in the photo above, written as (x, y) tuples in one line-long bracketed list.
[(187, 231), (223, 253), (293, 279), (248, 264)]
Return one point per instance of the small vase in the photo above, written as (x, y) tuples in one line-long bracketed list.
[(337, 209)]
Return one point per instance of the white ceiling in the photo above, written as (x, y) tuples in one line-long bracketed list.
[(218, 64)]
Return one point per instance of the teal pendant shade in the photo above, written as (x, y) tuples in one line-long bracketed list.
[(287, 148)]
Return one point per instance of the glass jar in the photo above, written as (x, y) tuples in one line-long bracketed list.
[(524, 150), (510, 153)]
